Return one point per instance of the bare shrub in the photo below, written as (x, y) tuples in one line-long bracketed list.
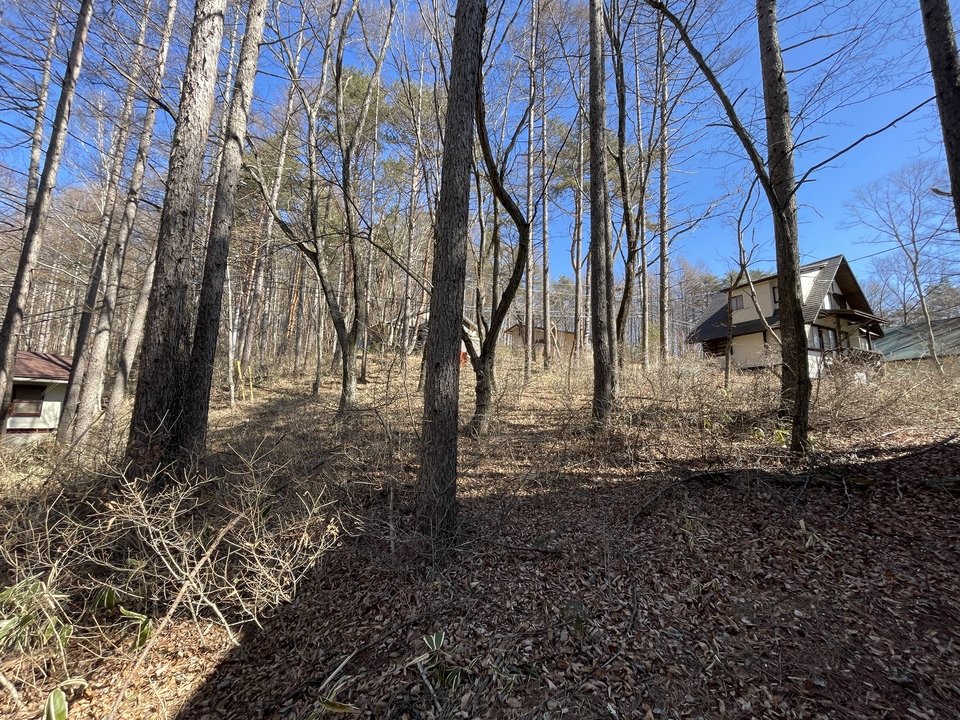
[(105, 556)]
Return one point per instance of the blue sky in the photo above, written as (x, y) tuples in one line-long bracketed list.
[(823, 213)]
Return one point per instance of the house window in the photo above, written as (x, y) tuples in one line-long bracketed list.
[(776, 295), (736, 302), (829, 338), (821, 338), (27, 401)]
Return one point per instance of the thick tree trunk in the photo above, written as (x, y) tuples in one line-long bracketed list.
[(604, 357), (945, 67), (89, 399), (33, 237), (795, 379), (438, 459), (165, 356), (196, 408)]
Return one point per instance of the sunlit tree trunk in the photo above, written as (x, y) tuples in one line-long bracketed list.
[(438, 458), (196, 408), (604, 359), (165, 355), (664, 214), (531, 100), (82, 352), (548, 336), (795, 379)]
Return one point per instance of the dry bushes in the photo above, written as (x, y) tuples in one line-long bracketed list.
[(93, 566), (852, 397)]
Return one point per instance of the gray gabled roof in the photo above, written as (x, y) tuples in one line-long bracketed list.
[(909, 342), (713, 324)]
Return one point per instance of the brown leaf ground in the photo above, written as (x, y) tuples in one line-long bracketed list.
[(677, 565)]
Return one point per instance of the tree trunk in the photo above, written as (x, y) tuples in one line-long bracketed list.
[(795, 379), (664, 218), (255, 303), (33, 237), (438, 461), (196, 408), (615, 33), (165, 356), (89, 399), (131, 344), (82, 352), (578, 319), (529, 337), (373, 226), (945, 67), (548, 336), (39, 120), (604, 359)]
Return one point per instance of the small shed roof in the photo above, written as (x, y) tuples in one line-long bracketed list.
[(31, 365), (909, 342)]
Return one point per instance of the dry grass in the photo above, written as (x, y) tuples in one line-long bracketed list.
[(291, 497)]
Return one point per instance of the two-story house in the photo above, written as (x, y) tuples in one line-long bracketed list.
[(837, 315)]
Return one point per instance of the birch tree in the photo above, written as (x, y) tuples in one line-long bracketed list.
[(40, 212)]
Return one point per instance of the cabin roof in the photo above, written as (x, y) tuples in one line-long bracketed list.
[(31, 365), (909, 342)]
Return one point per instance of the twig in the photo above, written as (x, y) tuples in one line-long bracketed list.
[(9, 687), (168, 616), (426, 681), (527, 548)]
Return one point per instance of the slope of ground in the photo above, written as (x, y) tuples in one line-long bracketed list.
[(676, 566)]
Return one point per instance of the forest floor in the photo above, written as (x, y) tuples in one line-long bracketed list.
[(678, 565)]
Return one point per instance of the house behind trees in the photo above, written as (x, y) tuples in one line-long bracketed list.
[(39, 384), (837, 317)]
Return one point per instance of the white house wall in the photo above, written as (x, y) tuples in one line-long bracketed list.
[(750, 351), (49, 414)]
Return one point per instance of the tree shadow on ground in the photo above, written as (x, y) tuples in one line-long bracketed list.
[(738, 592)]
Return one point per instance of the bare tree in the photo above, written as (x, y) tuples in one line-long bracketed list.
[(193, 425), (82, 350), (795, 377), (900, 210), (601, 288), (37, 225), (438, 459)]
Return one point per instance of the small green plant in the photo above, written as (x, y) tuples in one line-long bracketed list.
[(55, 708), (439, 661), (32, 617), (143, 625)]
